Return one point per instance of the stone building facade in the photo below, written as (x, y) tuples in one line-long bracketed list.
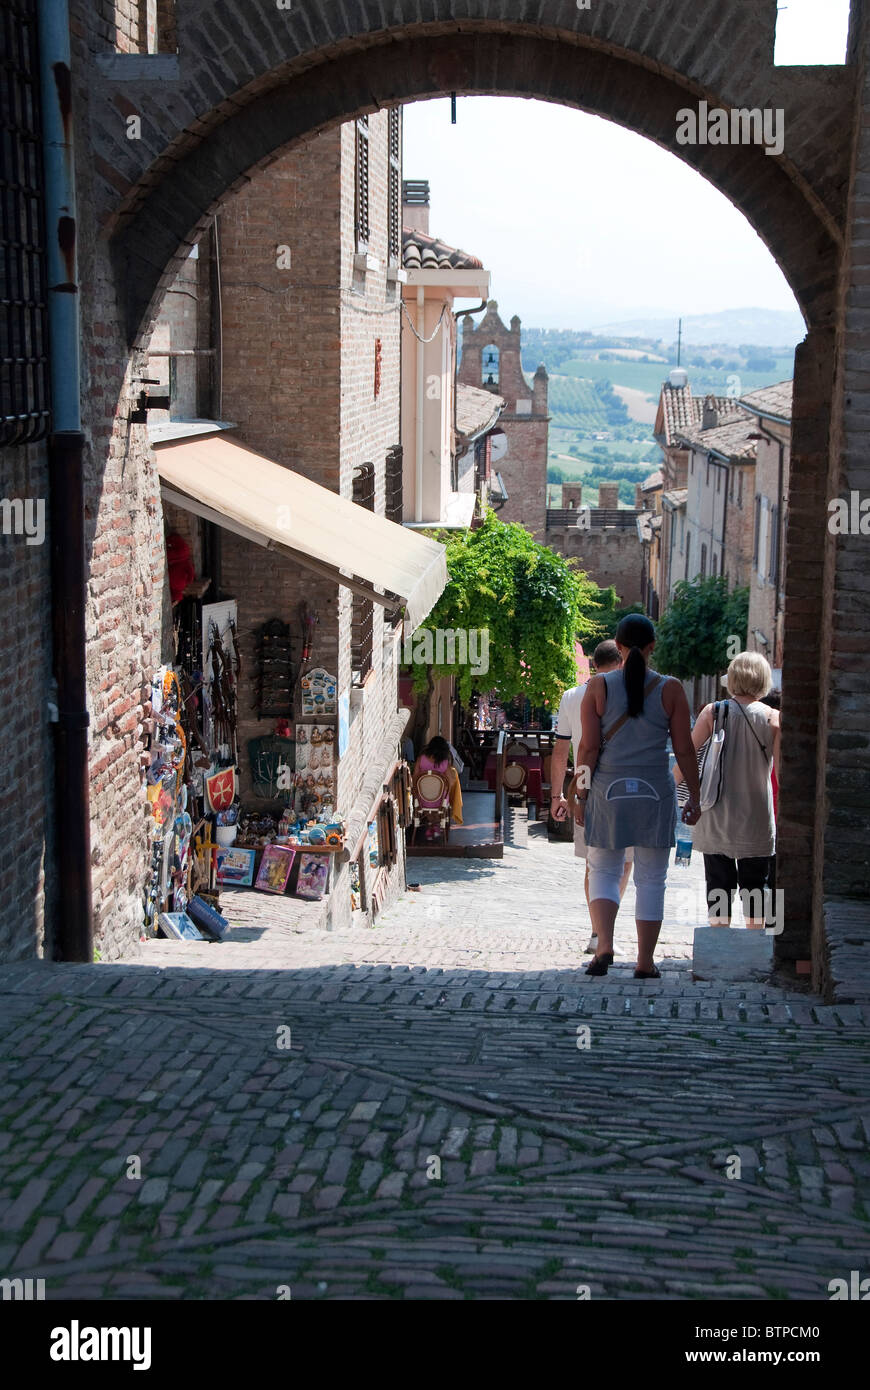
[(603, 539), (492, 358), (245, 84)]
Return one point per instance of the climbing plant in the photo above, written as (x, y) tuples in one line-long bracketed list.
[(533, 603)]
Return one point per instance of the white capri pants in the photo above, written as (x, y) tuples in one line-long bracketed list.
[(650, 874)]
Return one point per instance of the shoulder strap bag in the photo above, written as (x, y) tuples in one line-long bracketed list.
[(752, 730), (648, 688), (713, 767)]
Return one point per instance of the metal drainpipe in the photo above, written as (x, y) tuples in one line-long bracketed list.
[(421, 377), (75, 938)]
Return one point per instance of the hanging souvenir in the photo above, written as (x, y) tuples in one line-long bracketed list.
[(221, 789)]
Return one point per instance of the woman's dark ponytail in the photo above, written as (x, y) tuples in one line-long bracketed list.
[(634, 673), (636, 632)]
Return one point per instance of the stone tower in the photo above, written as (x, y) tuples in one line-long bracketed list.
[(491, 359)]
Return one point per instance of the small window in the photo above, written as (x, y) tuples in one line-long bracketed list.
[(808, 33), (718, 479), (703, 562), (688, 552), (774, 545), (740, 489)]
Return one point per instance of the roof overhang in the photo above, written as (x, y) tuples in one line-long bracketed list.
[(462, 284), (225, 482)]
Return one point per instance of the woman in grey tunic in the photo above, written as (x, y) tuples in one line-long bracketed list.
[(737, 835), (624, 793)]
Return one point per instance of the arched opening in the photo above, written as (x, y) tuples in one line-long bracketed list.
[(171, 202), (795, 201)]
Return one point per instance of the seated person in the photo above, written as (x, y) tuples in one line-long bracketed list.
[(436, 757)]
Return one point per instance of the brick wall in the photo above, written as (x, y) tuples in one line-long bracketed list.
[(298, 379), (607, 556)]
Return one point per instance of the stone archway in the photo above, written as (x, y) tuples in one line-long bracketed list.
[(795, 203), (250, 88)]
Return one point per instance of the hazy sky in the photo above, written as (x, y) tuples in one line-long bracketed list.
[(581, 221)]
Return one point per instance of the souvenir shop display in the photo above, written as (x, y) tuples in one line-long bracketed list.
[(313, 873), (207, 918), (319, 697), (235, 866), (315, 769), (275, 671), (309, 623), (373, 846), (355, 888), (170, 825), (275, 868), (179, 926)]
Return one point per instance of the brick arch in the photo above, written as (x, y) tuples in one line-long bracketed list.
[(795, 203)]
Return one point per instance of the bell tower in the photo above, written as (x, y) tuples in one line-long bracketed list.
[(492, 359)]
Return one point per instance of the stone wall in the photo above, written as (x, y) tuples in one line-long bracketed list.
[(607, 556)]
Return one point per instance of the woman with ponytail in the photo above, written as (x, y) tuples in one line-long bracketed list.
[(623, 793)]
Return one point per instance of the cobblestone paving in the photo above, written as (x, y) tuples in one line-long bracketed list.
[(448, 1036)]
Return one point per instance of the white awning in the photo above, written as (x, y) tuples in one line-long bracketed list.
[(222, 480)]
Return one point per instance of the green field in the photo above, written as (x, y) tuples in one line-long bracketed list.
[(649, 376)]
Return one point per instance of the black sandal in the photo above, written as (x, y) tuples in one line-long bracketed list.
[(653, 974), (599, 965)]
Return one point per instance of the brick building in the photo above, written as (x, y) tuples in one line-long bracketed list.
[(770, 411), (161, 140), (492, 359), (604, 539)]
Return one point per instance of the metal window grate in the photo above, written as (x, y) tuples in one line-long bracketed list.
[(394, 208), (361, 190), (24, 366), (394, 500)]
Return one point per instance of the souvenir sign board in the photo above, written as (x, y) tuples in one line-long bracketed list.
[(275, 868), (319, 693), (236, 866), (179, 927)]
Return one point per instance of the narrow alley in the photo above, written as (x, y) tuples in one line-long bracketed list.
[(457, 1111)]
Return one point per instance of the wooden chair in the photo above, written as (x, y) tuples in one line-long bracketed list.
[(518, 750), (514, 782), (431, 804)]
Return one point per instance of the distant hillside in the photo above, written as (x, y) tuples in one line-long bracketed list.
[(779, 328)]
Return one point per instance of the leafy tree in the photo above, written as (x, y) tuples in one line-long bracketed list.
[(533, 602), (555, 474), (693, 632)]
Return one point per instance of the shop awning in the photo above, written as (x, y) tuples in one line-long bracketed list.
[(241, 490)]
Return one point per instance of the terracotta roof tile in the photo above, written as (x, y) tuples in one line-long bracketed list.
[(423, 252), (771, 400), (731, 439), (476, 408)]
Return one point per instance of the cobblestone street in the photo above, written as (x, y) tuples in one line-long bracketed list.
[(698, 1141)]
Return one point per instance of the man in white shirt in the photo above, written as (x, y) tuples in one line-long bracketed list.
[(568, 733)]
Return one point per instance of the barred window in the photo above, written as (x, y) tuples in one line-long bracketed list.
[(394, 194), (361, 191), (24, 366), (362, 613), (774, 545), (394, 501)]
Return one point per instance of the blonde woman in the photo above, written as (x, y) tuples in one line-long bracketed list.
[(737, 835)]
